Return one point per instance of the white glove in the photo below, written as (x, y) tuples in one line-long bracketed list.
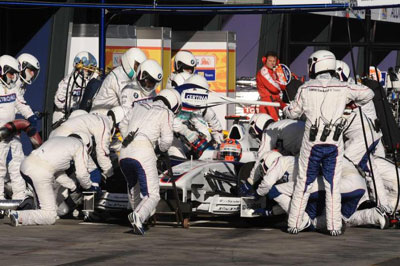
[(217, 136)]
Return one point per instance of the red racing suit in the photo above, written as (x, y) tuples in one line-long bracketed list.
[(269, 87)]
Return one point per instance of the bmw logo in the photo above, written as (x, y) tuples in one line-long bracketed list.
[(159, 76)]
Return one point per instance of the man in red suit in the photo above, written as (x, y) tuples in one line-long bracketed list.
[(270, 85)]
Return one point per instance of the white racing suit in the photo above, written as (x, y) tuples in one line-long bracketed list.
[(68, 96), (322, 100), (289, 131), (96, 125), (387, 171), (10, 103), (39, 170), (152, 122), (201, 121), (117, 89), (355, 149)]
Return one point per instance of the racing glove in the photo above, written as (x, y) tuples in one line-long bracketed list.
[(33, 120), (246, 189), (217, 136)]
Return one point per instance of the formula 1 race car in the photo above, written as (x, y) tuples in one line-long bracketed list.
[(187, 187)]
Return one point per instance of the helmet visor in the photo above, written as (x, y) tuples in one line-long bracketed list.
[(148, 83), (29, 73)]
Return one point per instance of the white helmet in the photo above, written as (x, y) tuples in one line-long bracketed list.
[(85, 63), (85, 138), (28, 63), (149, 74), (269, 158), (199, 80), (179, 79), (343, 70), (117, 114), (258, 123), (78, 113), (131, 60), (9, 64), (171, 98), (321, 61), (184, 60)]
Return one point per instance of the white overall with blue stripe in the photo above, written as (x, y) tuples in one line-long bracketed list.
[(322, 101), (10, 103)]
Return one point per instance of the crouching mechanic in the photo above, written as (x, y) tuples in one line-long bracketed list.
[(41, 168), (322, 100), (144, 126), (286, 133), (10, 102), (280, 174), (101, 127)]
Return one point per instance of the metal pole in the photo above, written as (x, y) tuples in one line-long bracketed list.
[(102, 39), (351, 48)]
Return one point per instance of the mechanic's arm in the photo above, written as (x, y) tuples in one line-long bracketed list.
[(201, 125), (24, 108), (60, 96), (102, 139), (295, 108), (216, 128), (81, 167), (124, 124), (167, 134), (360, 94)]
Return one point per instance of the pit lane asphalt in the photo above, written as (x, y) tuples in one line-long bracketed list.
[(70, 242)]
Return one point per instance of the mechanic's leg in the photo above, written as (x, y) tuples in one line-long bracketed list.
[(43, 187), (281, 194), (380, 150), (332, 172), (309, 166), (128, 169), (380, 189), (4, 148), (149, 189), (373, 216), (17, 182), (387, 170)]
